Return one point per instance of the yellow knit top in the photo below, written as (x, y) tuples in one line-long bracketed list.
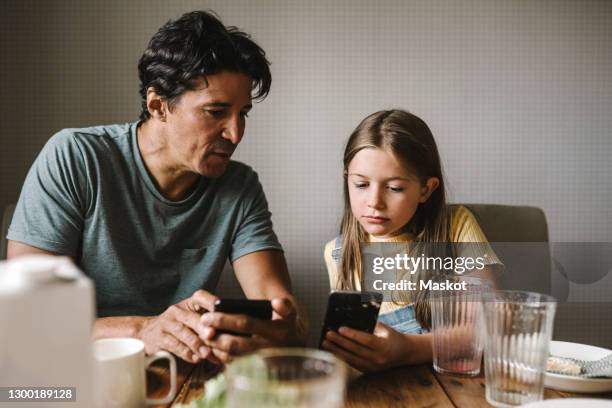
[(464, 228)]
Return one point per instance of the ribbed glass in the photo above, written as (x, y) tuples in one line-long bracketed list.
[(456, 317), (518, 331)]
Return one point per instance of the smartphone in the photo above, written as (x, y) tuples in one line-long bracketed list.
[(260, 309), (354, 309)]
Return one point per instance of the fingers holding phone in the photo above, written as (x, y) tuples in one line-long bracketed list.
[(232, 327), (382, 349), (173, 331), (352, 309), (238, 326), (351, 331), (200, 302), (283, 309)]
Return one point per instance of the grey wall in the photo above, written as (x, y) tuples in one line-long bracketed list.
[(517, 93)]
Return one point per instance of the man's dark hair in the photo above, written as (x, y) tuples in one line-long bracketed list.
[(197, 44)]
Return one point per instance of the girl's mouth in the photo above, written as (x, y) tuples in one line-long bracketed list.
[(375, 220)]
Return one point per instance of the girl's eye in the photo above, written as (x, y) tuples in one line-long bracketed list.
[(396, 189), (360, 185), (244, 114)]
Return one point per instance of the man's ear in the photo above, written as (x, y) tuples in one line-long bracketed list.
[(156, 105), (429, 187)]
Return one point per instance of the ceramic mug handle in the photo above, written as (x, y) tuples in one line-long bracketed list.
[(158, 356)]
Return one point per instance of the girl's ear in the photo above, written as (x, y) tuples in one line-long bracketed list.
[(429, 187), (156, 105)]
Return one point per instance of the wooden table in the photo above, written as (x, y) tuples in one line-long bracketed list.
[(416, 386)]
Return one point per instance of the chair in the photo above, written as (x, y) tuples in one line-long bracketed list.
[(530, 267), (508, 223), (7, 216), (519, 237)]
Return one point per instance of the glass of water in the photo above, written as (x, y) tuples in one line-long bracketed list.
[(456, 323), (519, 327), (286, 377)]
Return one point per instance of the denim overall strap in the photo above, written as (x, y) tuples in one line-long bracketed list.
[(337, 251), (402, 320)]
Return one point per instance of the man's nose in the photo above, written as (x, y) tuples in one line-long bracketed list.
[(233, 130)]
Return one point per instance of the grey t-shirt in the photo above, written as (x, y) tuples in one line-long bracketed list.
[(88, 195)]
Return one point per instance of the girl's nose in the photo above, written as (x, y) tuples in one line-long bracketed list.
[(375, 201)]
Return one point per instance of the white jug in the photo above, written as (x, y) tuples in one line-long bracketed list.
[(47, 311)]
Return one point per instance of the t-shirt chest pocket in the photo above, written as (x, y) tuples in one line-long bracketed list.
[(191, 257), (201, 260), (200, 268)]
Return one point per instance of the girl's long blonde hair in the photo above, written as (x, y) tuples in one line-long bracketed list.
[(409, 139)]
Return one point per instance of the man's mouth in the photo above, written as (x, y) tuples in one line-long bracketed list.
[(222, 154)]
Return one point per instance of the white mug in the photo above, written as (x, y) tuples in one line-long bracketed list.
[(120, 379)]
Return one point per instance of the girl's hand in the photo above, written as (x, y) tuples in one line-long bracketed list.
[(371, 352)]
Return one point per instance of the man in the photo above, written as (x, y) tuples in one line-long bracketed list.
[(152, 210)]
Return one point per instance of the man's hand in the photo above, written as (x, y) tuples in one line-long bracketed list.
[(175, 330), (283, 330)]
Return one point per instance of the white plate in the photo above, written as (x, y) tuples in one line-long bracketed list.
[(570, 403), (577, 384)]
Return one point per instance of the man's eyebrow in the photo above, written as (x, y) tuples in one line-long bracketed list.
[(388, 179), (224, 105)]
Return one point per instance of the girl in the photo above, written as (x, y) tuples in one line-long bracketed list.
[(393, 192)]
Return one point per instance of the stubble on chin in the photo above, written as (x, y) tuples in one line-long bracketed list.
[(213, 171)]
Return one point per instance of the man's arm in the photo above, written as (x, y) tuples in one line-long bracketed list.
[(15, 249), (264, 275)]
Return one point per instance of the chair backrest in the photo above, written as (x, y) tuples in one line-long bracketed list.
[(509, 223), (519, 237), (7, 216)]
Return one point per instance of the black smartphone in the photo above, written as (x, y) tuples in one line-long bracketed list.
[(354, 309), (260, 309)]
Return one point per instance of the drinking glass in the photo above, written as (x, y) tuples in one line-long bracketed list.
[(286, 377), (518, 330), (456, 322)]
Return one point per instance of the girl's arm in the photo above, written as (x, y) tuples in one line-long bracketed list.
[(489, 273), (384, 349), (421, 346)]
